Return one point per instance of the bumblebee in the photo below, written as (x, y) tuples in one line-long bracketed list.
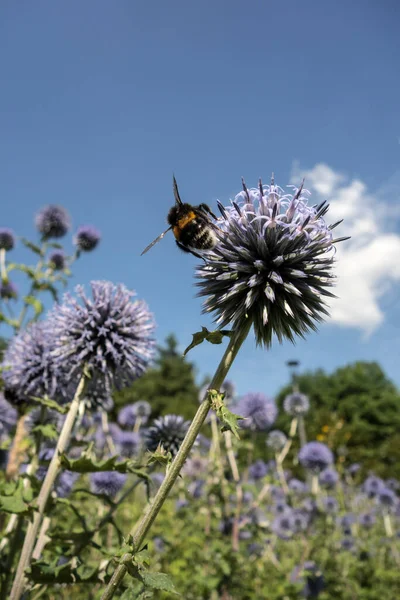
[(191, 225)]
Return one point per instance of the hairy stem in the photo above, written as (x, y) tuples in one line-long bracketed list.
[(52, 472), (139, 533)]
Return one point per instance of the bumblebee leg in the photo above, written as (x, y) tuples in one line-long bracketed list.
[(186, 249), (205, 208)]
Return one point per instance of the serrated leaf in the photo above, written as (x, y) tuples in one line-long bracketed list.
[(35, 303), (228, 418), (87, 463), (51, 404), (16, 499), (48, 431), (214, 337), (159, 456), (36, 249), (158, 581)]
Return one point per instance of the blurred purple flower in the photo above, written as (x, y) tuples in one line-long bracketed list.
[(108, 483), (87, 238), (315, 456), (128, 443), (167, 431), (276, 440), (8, 290), (258, 410), (57, 260), (296, 404), (331, 505), (52, 221), (373, 485), (258, 469), (129, 414), (329, 477), (8, 417), (7, 239), (367, 520), (283, 525)]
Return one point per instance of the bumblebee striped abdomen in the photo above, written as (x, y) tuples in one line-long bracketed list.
[(196, 233)]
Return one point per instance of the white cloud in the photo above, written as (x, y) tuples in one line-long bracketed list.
[(369, 263)]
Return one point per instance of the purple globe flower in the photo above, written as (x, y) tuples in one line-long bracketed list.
[(8, 290), (30, 368), (315, 456), (129, 414), (347, 544), (108, 483), (128, 443), (283, 525), (168, 431), (373, 486), (329, 478), (52, 221), (272, 264), (331, 505), (387, 498), (87, 238), (259, 411), (296, 404), (57, 260), (110, 334), (7, 239), (354, 468), (367, 520), (297, 486), (276, 440), (8, 417), (258, 469), (195, 466)]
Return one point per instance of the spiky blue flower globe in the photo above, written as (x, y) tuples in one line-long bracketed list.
[(129, 414), (315, 456), (272, 264), (329, 477), (331, 505), (8, 417), (8, 290), (259, 411), (30, 368), (7, 239), (110, 333), (373, 486), (87, 238), (296, 404), (52, 221), (276, 440), (128, 443), (283, 525), (297, 486), (258, 469), (387, 498), (57, 260), (167, 431), (108, 483), (367, 520)]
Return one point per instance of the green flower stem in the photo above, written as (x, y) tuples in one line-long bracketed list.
[(3, 269), (139, 533), (52, 472), (302, 432)]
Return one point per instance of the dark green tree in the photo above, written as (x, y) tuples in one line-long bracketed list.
[(169, 386), (356, 410)]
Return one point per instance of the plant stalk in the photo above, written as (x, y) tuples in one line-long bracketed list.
[(139, 533), (52, 472)]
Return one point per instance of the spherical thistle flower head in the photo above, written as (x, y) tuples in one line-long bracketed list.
[(7, 239), (330, 504), (315, 456), (367, 520), (373, 486), (258, 469), (195, 466), (57, 260), (108, 483), (52, 221), (276, 440), (328, 478), (8, 290), (283, 525), (296, 404), (87, 238), (110, 334), (297, 487), (258, 410), (29, 366), (272, 264), (167, 431), (347, 543), (387, 498), (8, 417), (128, 443), (129, 414)]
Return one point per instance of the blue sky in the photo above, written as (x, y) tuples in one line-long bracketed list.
[(102, 101)]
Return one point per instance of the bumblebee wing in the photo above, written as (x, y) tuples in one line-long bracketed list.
[(154, 242)]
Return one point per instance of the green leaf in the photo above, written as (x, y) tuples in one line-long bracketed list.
[(35, 303), (10, 322), (214, 337), (24, 268), (17, 500), (36, 249), (158, 581), (228, 418), (48, 431), (54, 245), (51, 404), (41, 572), (159, 456), (87, 463)]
